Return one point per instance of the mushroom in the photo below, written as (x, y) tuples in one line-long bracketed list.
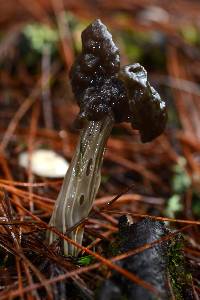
[(105, 94)]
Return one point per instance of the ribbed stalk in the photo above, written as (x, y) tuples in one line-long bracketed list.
[(81, 182)]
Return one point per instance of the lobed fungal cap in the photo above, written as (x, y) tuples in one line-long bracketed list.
[(102, 89), (148, 109), (134, 76), (97, 41)]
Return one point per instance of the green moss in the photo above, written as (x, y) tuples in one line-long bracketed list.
[(174, 206), (85, 260), (180, 278), (39, 35), (181, 180), (190, 34)]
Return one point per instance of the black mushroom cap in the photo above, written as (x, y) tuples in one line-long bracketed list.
[(149, 113), (102, 89), (94, 76)]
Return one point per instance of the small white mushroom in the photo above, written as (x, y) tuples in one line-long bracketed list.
[(44, 163), (153, 13)]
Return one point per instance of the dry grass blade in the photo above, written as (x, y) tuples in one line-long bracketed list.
[(26, 105), (14, 233), (192, 222)]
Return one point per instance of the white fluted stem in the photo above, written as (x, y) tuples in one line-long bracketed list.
[(81, 182)]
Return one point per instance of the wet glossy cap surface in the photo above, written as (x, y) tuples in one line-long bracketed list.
[(148, 109), (102, 88)]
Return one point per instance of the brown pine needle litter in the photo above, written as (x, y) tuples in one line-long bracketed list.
[(158, 180)]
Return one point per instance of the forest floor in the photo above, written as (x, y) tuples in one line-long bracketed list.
[(158, 180)]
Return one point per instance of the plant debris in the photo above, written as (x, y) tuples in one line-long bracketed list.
[(37, 111)]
